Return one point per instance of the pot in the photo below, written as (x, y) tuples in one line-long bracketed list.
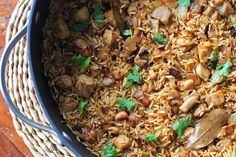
[(33, 31)]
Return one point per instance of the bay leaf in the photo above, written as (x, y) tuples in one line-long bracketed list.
[(208, 128)]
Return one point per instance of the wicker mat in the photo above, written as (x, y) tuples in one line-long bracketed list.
[(22, 92)]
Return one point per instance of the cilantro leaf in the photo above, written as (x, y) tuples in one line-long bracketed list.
[(81, 26), (81, 61), (182, 124), (234, 26), (109, 151), (221, 71), (124, 103), (80, 109), (159, 38), (98, 13), (151, 137), (127, 32), (133, 76), (214, 56), (184, 3)]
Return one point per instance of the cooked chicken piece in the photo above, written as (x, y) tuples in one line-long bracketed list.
[(173, 94), (188, 132), (132, 7), (194, 77), (85, 85), (130, 44), (200, 110), (162, 13), (61, 29), (215, 16), (121, 115), (83, 47), (152, 74), (108, 82), (217, 98), (204, 51), (91, 135), (226, 9), (185, 85), (117, 74), (145, 101), (68, 105), (203, 72), (64, 82), (81, 14), (133, 119), (110, 37), (122, 142), (189, 102), (209, 11)]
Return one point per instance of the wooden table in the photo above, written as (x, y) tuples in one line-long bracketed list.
[(11, 145)]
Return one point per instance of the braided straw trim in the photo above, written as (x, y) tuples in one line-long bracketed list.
[(22, 92)]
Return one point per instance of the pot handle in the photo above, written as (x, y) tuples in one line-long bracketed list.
[(4, 90)]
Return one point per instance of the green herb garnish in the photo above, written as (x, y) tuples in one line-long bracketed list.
[(124, 103), (98, 13), (214, 56), (81, 26), (151, 137), (234, 26), (81, 61), (127, 32), (159, 38), (109, 151), (182, 124), (184, 3), (133, 77), (221, 72), (80, 109)]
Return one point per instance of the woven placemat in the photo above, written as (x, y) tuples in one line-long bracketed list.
[(22, 92)]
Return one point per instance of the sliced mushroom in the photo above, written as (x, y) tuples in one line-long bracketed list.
[(81, 14), (203, 72), (122, 142), (64, 82), (85, 85), (141, 58), (121, 115), (185, 85), (91, 135), (217, 98), (145, 101), (189, 102), (215, 3), (204, 51), (108, 82), (162, 13), (226, 9), (61, 29)]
